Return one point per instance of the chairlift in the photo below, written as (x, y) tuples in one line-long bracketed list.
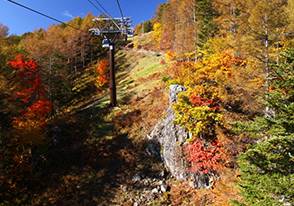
[(105, 43), (130, 34)]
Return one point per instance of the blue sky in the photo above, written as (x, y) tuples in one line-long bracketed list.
[(20, 20)]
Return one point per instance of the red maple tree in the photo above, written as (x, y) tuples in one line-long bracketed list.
[(206, 157), (30, 125)]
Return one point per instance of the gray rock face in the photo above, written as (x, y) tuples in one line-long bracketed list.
[(173, 93), (173, 140)]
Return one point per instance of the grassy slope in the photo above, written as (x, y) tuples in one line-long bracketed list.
[(100, 149)]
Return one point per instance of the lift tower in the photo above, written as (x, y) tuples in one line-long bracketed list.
[(111, 28)]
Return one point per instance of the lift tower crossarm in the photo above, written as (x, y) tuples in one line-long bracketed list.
[(112, 25)]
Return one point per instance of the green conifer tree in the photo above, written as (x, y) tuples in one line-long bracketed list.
[(267, 168)]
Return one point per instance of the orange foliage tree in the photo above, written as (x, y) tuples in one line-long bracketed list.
[(100, 74)]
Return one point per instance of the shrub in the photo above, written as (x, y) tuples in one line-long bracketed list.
[(165, 78), (206, 157)]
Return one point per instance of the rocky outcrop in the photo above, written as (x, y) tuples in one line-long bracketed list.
[(173, 139)]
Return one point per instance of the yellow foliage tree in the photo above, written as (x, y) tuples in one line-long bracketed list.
[(158, 33)]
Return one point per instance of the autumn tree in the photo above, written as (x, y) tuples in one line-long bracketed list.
[(8, 48), (198, 108), (9, 45), (28, 110), (227, 13), (3, 30), (32, 95), (185, 36), (158, 32), (53, 61), (159, 12), (100, 74), (5, 108), (63, 53), (3, 33), (185, 27), (262, 22), (168, 21)]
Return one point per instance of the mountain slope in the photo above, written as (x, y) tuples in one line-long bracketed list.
[(98, 150)]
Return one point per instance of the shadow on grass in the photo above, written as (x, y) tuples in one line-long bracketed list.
[(84, 161), (91, 159), (95, 154)]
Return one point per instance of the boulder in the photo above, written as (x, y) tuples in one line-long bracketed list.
[(173, 140)]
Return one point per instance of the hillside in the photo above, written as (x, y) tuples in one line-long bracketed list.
[(105, 148), (97, 150), (98, 154), (209, 89)]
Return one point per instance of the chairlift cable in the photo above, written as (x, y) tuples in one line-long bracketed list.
[(103, 8), (96, 7), (110, 17), (120, 10), (49, 17)]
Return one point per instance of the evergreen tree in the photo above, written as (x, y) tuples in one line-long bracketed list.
[(267, 169)]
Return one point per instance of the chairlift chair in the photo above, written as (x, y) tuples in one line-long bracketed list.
[(105, 43), (130, 33)]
